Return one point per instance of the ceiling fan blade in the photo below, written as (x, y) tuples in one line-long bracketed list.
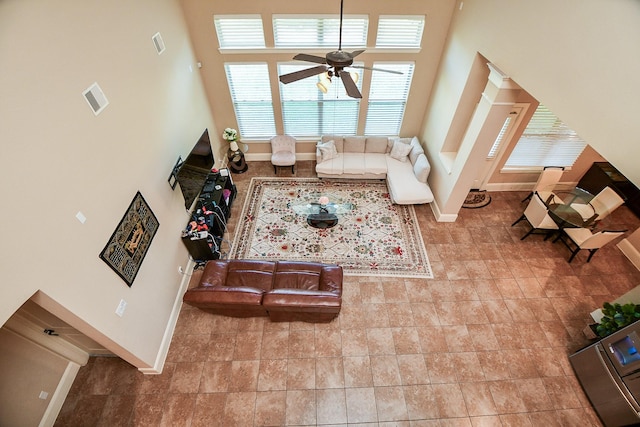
[(376, 69), (356, 53), (302, 74), (310, 58), (349, 85)]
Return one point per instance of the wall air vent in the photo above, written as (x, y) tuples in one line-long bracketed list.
[(95, 98), (158, 43)]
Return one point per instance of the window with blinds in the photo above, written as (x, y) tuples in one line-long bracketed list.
[(546, 141), (500, 138), (387, 98), (308, 112), (400, 31), (293, 31), (239, 32), (251, 94)]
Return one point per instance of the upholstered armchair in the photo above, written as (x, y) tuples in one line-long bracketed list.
[(283, 152)]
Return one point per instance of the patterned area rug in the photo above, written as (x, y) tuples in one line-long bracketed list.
[(374, 238)]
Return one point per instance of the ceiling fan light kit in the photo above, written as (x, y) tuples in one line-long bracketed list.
[(334, 63)]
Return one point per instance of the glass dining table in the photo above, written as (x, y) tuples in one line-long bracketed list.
[(559, 200)]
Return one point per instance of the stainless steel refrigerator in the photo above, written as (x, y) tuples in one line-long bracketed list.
[(609, 372)]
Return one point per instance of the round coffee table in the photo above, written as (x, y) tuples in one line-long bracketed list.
[(321, 216)]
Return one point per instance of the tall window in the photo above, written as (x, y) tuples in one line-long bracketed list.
[(319, 31), (400, 31), (307, 111), (251, 95), (388, 98), (239, 32), (546, 141)]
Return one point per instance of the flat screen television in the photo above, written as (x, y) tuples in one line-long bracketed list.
[(195, 169)]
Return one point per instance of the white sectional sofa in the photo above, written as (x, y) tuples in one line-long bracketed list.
[(401, 161)]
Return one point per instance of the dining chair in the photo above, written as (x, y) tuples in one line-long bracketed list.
[(283, 152), (584, 238), (538, 218), (605, 202), (549, 177)]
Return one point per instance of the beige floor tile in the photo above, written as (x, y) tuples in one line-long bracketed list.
[(331, 406), (361, 405), (476, 346)]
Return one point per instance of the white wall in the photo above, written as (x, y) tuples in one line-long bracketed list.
[(58, 159), (577, 57)]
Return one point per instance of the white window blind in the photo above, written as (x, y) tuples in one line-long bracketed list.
[(292, 31), (239, 32), (251, 94), (400, 31), (546, 141), (308, 112), (388, 98), (499, 139)]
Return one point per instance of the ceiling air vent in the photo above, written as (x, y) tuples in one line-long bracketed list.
[(158, 43), (95, 98)]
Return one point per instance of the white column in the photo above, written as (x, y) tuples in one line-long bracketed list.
[(496, 101)]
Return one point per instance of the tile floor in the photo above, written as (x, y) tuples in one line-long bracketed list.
[(485, 343)]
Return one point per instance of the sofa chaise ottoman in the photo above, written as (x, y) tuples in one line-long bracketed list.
[(282, 290)]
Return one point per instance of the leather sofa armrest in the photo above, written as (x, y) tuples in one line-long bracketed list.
[(215, 273), (331, 279)]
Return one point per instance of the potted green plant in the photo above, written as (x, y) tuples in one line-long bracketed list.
[(616, 316)]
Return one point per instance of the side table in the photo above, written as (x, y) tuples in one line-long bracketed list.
[(237, 163)]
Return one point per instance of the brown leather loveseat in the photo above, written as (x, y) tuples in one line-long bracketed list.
[(282, 290)]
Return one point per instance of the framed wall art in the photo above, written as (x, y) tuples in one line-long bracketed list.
[(130, 242)]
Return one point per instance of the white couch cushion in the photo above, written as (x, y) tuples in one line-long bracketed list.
[(376, 144), (421, 168), (416, 150), (354, 144), (375, 163), (332, 166), (403, 186), (354, 164)]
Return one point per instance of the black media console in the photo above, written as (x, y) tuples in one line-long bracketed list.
[(204, 233)]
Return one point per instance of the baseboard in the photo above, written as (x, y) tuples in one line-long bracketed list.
[(630, 252), (510, 186), (60, 395), (520, 186), (171, 324), (440, 217)]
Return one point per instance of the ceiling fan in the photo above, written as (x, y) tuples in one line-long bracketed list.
[(334, 64)]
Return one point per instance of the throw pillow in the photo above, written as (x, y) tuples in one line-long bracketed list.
[(421, 168), (327, 150), (400, 150)]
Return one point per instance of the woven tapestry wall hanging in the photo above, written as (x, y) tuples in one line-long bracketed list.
[(130, 241)]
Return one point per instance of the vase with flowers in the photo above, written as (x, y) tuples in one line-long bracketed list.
[(231, 136)]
